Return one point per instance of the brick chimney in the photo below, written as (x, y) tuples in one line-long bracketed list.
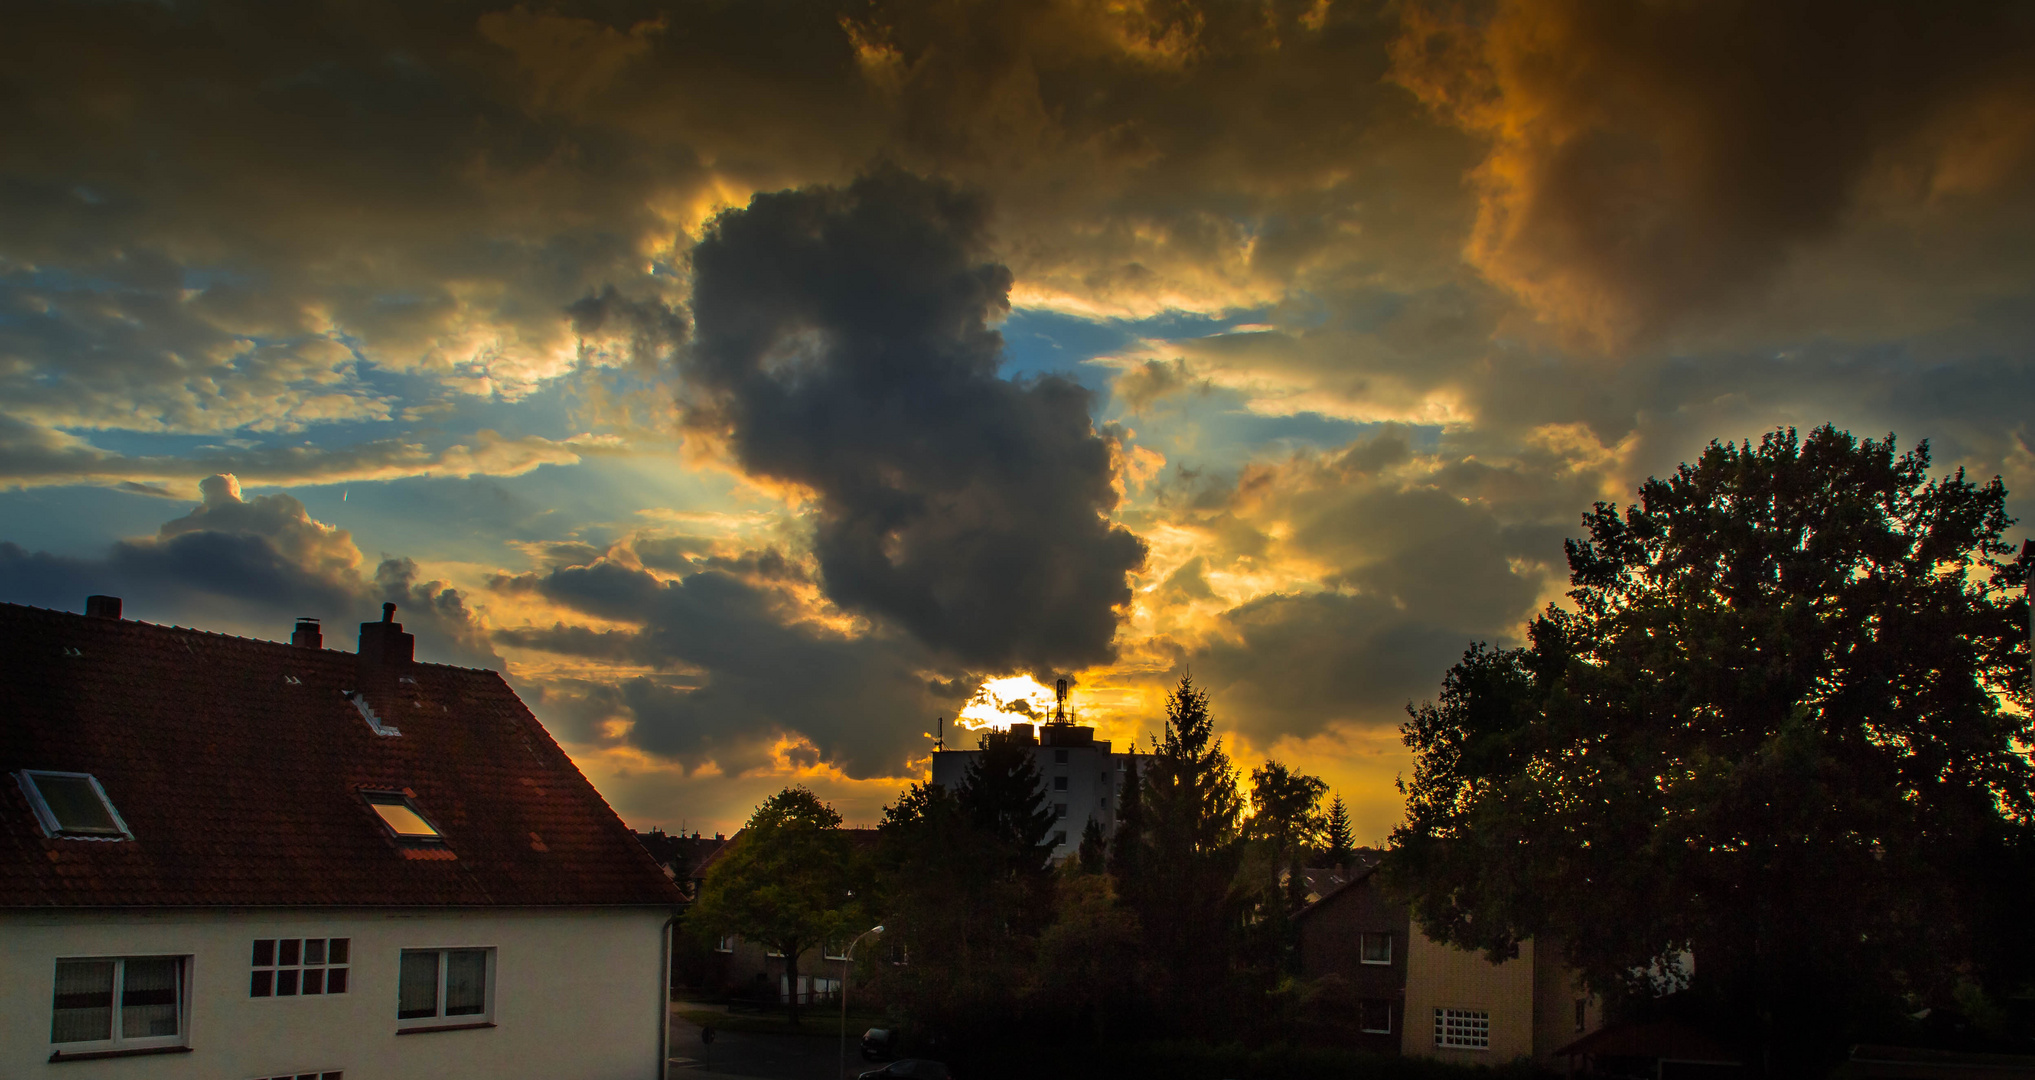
[(384, 646), (308, 635), (102, 607)]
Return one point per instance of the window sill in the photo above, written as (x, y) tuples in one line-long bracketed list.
[(94, 1055), (425, 1029)]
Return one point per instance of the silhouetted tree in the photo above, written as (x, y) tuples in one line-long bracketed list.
[(1185, 893), (1286, 817), (1338, 843), (1774, 731)]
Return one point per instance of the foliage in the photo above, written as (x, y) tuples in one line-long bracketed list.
[(1089, 963), (1771, 731), (1185, 890), (1286, 817), (1338, 843), (966, 879), (785, 882)]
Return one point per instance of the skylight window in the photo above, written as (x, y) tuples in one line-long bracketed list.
[(72, 805), (401, 816)]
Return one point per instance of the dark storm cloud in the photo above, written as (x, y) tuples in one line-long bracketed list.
[(844, 346), (761, 669), (1651, 161), (252, 565)]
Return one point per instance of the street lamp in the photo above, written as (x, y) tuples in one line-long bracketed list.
[(846, 955)]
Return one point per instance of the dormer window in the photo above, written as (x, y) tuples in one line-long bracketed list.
[(72, 805), (402, 817)]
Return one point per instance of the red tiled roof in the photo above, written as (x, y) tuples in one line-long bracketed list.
[(238, 766)]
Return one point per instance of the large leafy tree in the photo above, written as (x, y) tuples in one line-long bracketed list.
[(786, 881), (1286, 820), (1784, 728)]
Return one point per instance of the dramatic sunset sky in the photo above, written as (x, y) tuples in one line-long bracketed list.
[(755, 381)]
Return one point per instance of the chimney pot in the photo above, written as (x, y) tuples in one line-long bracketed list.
[(308, 635), (388, 613), (102, 607)]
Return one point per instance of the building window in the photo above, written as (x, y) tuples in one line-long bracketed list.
[(1059, 809), (1059, 783), (118, 1003), (834, 950), (404, 820), (1377, 949), (1374, 1016), (1059, 838), (286, 967), (1462, 1029), (331, 1074), (1582, 1015), (1059, 757), (444, 985), (72, 805), (726, 944)]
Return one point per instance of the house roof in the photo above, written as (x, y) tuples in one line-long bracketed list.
[(239, 766), (1357, 876)]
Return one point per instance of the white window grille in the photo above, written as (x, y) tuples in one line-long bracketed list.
[(1462, 1029)]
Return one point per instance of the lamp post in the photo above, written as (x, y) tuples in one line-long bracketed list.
[(847, 955)]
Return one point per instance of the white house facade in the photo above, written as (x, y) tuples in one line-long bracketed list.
[(230, 858)]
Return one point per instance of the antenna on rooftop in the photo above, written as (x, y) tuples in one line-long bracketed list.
[(1060, 698), (940, 740)]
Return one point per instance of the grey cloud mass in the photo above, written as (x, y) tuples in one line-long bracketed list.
[(844, 346)]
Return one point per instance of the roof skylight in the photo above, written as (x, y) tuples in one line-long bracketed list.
[(401, 816), (72, 805)]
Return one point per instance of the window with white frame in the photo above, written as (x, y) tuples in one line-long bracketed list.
[(288, 967), (1462, 1029), (726, 944), (1377, 949), (440, 987), (329, 1074), (834, 950), (119, 1003), (1374, 1016), (72, 805)]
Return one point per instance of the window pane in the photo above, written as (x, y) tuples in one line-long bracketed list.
[(76, 804), (335, 980), (265, 953), (337, 953), (148, 997), (262, 985), (286, 983), (314, 950), (403, 821), (466, 981), (290, 951), (84, 1001), (417, 986), (314, 981)]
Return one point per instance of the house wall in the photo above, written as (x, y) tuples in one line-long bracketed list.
[(1556, 989), (576, 992), (1331, 942), (1441, 976)]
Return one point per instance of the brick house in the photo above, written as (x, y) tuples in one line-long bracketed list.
[(1415, 996), (245, 859)]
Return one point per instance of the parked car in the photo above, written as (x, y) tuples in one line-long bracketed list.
[(909, 1069), (879, 1044)]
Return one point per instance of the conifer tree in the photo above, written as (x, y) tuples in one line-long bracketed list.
[(1338, 844)]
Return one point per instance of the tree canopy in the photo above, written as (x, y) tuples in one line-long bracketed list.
[(785, 881), (1784, 726)]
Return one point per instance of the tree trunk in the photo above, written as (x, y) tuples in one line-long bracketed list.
[(791, 981)]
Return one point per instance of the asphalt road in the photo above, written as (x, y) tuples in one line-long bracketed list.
[(765, 1057)]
